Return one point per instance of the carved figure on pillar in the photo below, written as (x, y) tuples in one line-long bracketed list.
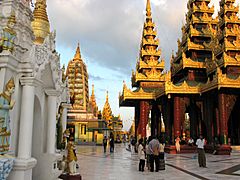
[(8, 35), (6, 104)]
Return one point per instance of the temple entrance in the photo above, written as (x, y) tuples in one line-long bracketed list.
[(234, 124), (193, 118)]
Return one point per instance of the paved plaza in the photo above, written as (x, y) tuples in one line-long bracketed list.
[(121, 165)]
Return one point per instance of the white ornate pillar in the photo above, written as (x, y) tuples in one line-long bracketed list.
[(52, 112), (24, 163), (64, 115)]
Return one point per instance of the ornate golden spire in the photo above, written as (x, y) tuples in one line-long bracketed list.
[(78, 54), (40, 24), (107, 112), (92, 102), (148, 9)]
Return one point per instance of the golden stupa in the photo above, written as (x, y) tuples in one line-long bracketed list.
[(78, 82)]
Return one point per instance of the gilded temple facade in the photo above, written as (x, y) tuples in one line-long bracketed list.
[(199, 95)]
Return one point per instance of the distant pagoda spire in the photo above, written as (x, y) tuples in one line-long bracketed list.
[(40, 24), (92, 102), (78, 53), (107, 112)]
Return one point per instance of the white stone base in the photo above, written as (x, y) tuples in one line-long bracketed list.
[(47, 169), (22, 169)]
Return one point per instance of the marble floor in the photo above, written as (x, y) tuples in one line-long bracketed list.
[(121, 165)]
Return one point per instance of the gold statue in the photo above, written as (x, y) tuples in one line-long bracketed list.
[(8, 35), (71, 158), (6, 104)]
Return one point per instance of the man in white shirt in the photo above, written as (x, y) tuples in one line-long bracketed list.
[(201, 153)]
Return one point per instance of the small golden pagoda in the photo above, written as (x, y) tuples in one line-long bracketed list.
[(107, 112), (78, 82), (40, 23), (92, 103)]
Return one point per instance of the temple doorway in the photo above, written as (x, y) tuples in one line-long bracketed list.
[(37, 139), (234, 124)]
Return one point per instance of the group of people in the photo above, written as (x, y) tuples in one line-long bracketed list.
[(151, 151), (111, 143)]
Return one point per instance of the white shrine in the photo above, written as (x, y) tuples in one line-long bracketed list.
[(28, 55)]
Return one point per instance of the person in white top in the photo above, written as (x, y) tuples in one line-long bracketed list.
[(201, 153), (191, 142), (141, 155)]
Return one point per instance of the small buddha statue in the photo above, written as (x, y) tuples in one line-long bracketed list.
[(6, 104), (8, 35)]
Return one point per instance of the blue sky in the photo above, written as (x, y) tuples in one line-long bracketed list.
[(109, 33)]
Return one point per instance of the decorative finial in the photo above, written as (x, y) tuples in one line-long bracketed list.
[(107, 97), (78, 54), (148, 9), (40, 24)]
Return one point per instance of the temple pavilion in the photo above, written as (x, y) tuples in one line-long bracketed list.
[(200, 93)]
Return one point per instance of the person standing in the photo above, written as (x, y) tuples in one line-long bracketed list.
[(133, 143), (154, 154), (161, 155), (148, 152), (105, 143), (201, 153), (141, 155), (111, 142), (177, 144)]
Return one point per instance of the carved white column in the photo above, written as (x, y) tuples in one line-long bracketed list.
[(26, 119), (51, 114), (64, 115)]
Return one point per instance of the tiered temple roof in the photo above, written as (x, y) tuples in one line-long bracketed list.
[(148, 68), (193, 50), (148, 75), (40, 24), (78, 82), (224, 70)]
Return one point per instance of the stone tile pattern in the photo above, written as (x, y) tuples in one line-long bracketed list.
[(121, 165)]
